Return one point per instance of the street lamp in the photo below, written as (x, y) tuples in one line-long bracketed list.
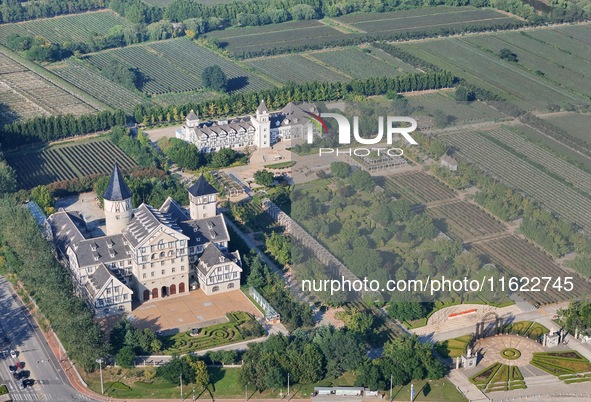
[(181, 377), (246, 392), (194, 394), (100, 362), (391, 387), (288, 386)]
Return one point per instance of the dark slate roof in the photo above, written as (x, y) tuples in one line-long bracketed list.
[(213, 256), (97, 279), (262, 107), (176, 212), (192, 115), (67, 228), (201, 231), (117, 190), (106, 249), (146, 219), (201, 187)]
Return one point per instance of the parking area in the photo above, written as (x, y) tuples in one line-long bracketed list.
[(195, 310)]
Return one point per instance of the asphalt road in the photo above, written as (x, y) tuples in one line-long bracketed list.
[(26, 338)]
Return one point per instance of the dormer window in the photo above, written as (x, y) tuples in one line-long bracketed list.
[(222, 259), (93, 246), (210, 225)]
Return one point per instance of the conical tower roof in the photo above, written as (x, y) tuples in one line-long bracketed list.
[(201, 187), (262, 108), (117, 190)]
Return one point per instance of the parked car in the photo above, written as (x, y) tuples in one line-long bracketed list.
[(19, 365), (13, 354), (12, 369), (17, 375), (27, 383)]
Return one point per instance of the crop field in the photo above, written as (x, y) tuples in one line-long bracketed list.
[(466, 221), (578, 32), (520, 174), (27, 94), (295, 68), (418, 188), (423, 19), (72, 28), (577, 125), (96, 85), (159, 75), (242, 40), (176, 66), (570, 71), (358, 63), (462, 112), (524, 260), (194, 59), (67, 161), (522, 87), (550, 162)]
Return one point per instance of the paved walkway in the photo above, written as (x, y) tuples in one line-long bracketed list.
[(464, 385), (441, 321)]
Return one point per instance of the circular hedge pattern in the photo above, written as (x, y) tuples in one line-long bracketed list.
[(510, 354)]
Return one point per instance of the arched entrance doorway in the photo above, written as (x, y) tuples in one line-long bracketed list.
[(146, 295), (164, 291), (172, 289), (182, 287), (155, 293)]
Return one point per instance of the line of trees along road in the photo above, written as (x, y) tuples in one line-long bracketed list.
[(30, 258), (44, 129)]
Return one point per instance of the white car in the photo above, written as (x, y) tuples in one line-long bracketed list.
[(13, 354)]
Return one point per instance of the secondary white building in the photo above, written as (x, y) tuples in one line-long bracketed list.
[(263, 129)]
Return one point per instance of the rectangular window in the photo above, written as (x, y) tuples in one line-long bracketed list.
[(182, 267), (182, 259), (173, 270), (162, 272), (152, 274), (152, 247), (161, 263), (170, 244), (143, 250)]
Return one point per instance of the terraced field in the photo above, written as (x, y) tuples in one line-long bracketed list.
[(295, 68), (67, 161), (466, 221), (418, 188), (68, 28), (518, 173), (524, 260), (96, 85)]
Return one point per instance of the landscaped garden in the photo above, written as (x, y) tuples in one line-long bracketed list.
[(455, 347), (532, 330), (569, 366), (499, 377), (240, 327)]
